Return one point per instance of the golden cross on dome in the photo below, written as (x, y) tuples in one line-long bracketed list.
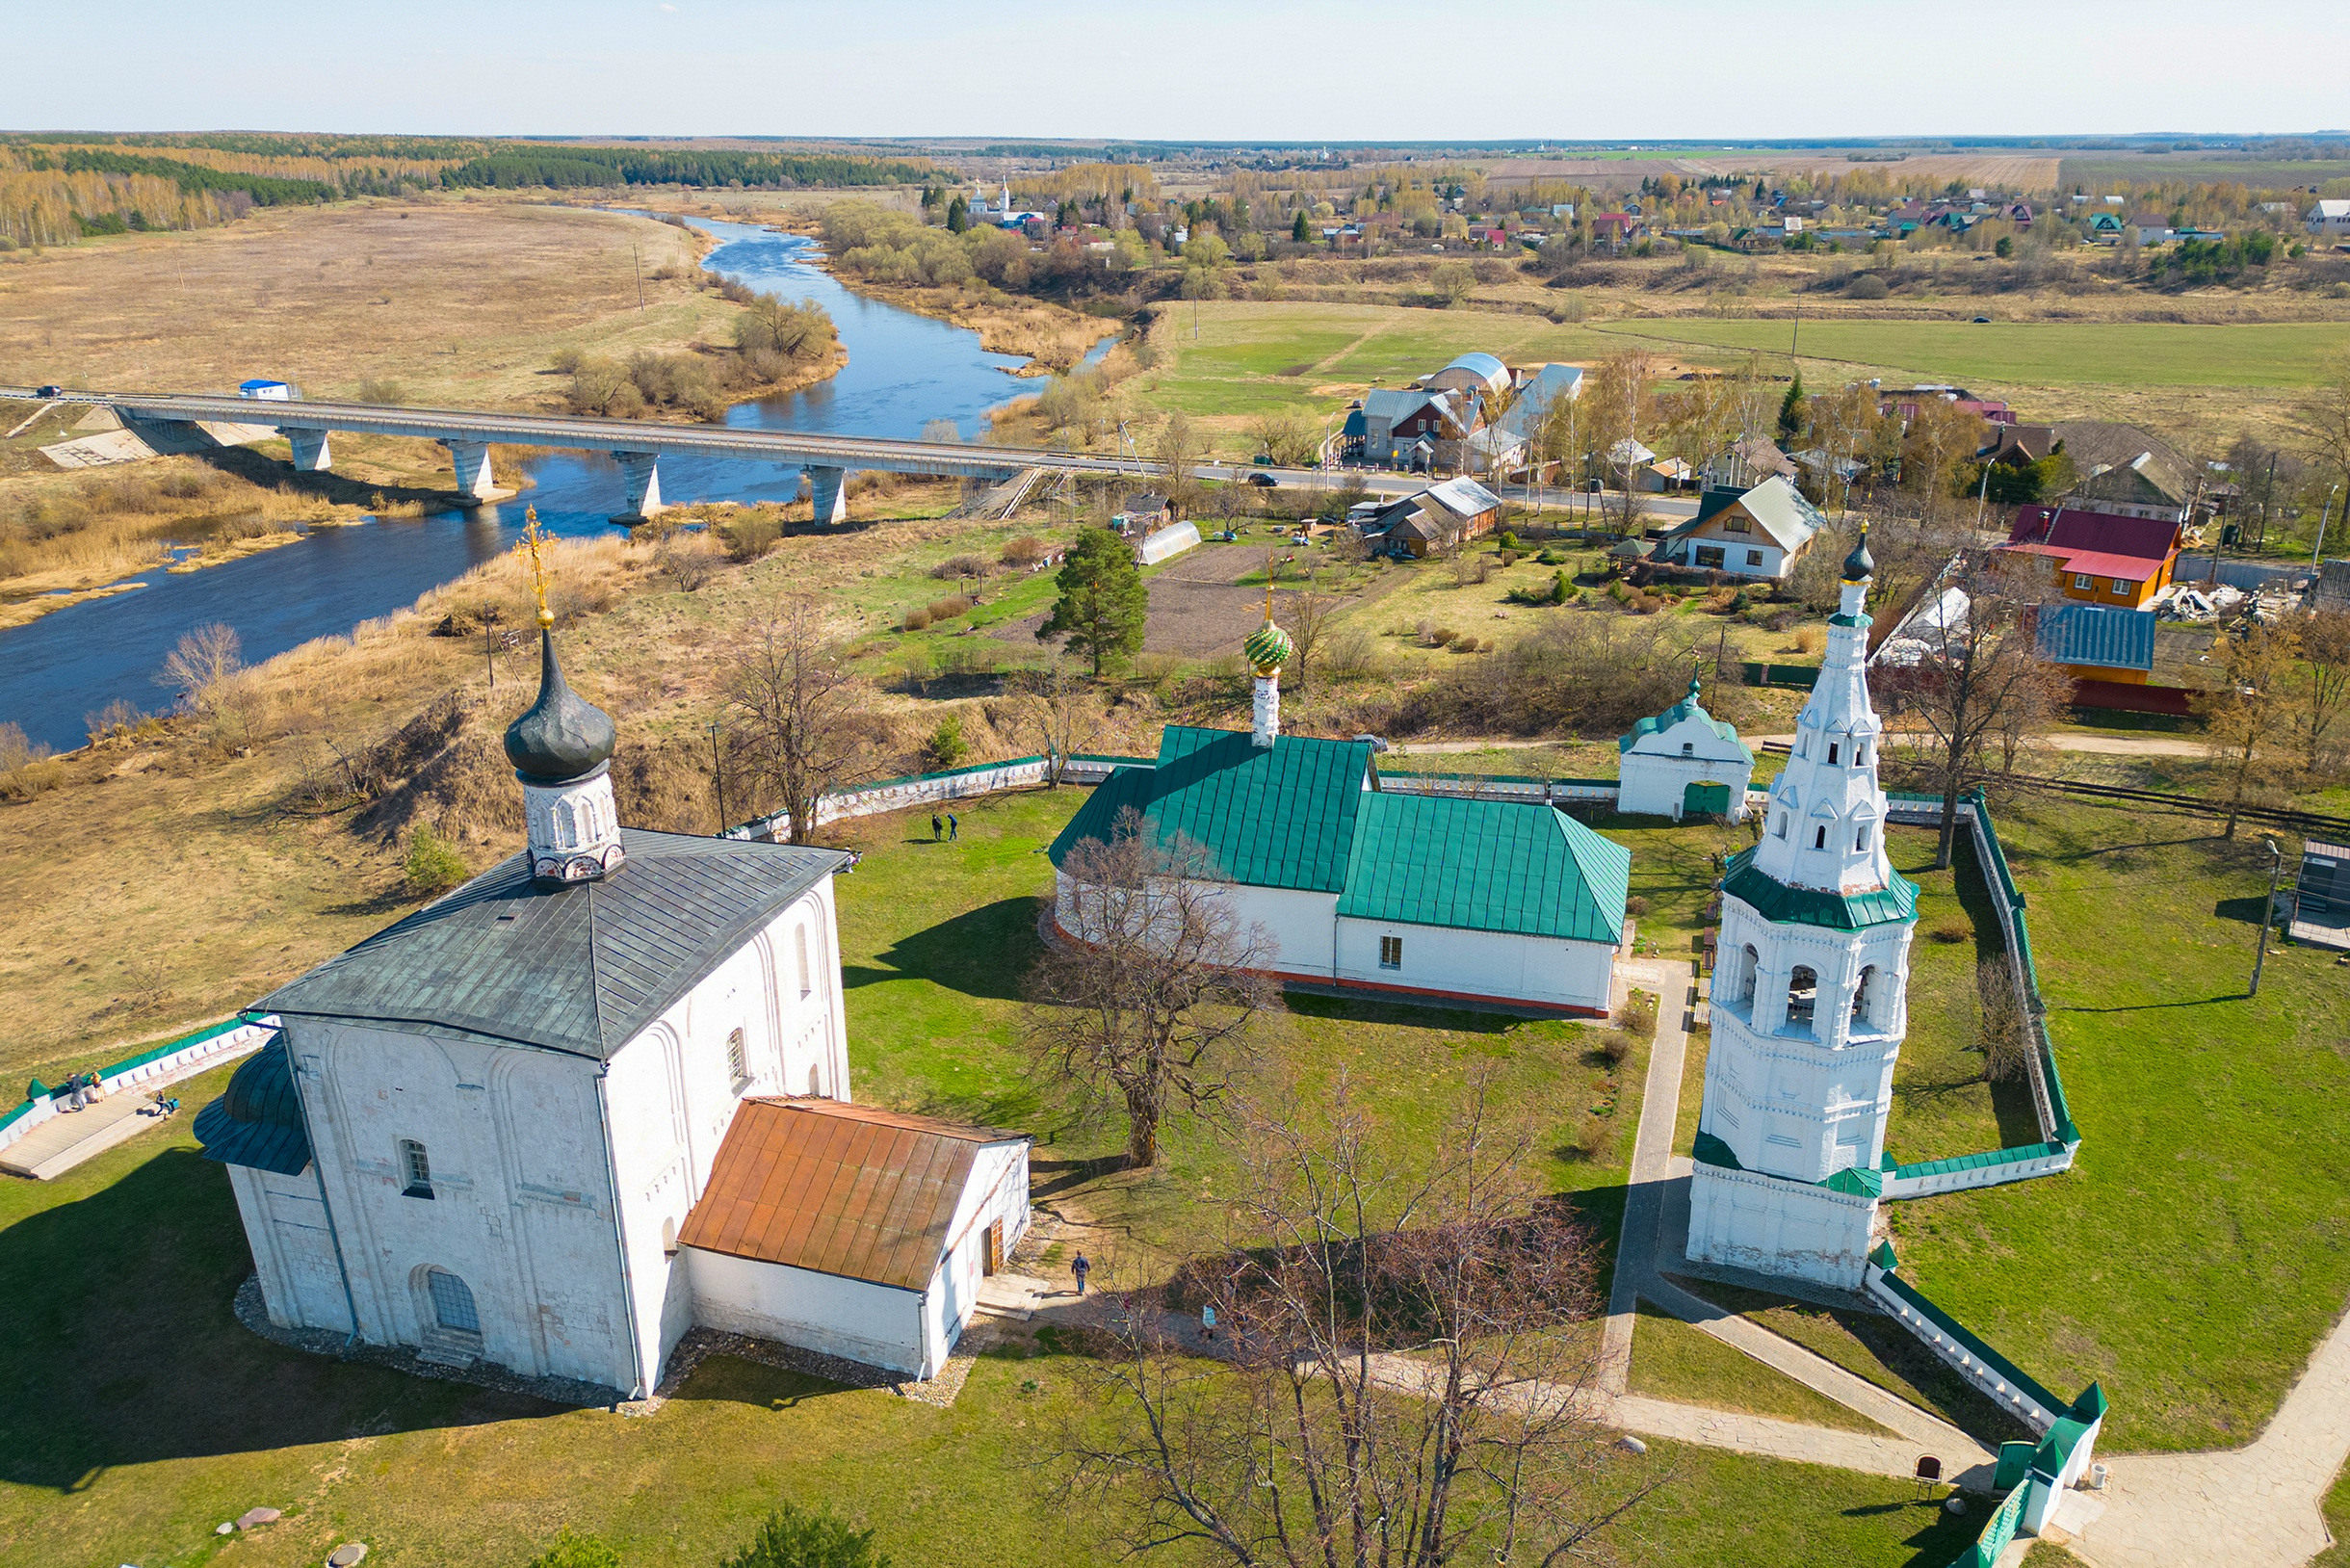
[(531, 552)]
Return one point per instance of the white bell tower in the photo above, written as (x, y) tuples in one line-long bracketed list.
[(1810, 996)]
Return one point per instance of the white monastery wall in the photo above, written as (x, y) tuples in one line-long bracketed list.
[(877, 1324), (1494, 964), (1742, 1220)]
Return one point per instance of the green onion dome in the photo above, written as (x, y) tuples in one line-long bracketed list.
[(1269, 647)]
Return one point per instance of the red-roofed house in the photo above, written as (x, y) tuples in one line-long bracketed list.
[(2100, 557)]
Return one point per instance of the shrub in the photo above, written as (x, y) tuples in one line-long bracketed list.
[(26, 768), (1024, 551), (1866, 286), (1596, 1138), (1811, 640), (1550, 558), (1636, 906), (957, 566), (947, 608), (433, 865), (915, 620), (1509, 539), (1440, 635), (793, 1537), (751, 533), (1612, 1046), (946, 747), (1640, 1014), (569, 1550), (1558, 588), (1950, 931)]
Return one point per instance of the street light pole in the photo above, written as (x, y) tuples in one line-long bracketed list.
[(2259, 953), (718, 774), (2324, 512)]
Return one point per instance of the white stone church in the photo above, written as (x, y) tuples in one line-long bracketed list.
[(1810, 997), (599, 1096)]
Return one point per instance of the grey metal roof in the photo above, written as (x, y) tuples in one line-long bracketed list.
[(2107, 637), (580, 968)]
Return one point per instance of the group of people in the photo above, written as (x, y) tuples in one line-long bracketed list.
[(1080, 1266), (954, 828)]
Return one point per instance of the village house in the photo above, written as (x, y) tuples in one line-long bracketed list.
[(1436, 520), (2127, 471), (594, 1097), (2100, 557), (1759, 531), (2098, 642), (2329, 221)]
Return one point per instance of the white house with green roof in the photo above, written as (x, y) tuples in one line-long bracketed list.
[(1810, 997), (1685, 762), (1412, 896)]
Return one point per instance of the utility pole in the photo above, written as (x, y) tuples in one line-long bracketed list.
[(2268, 910), (637, 260), (2323, 513), (718, 774)]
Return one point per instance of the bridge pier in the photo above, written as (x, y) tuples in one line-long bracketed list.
[(828, 490), (310, 456), (641, 472), (474, 482)]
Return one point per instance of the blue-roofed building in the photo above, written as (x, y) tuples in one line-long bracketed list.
[(2098, 642), (1345, 884)]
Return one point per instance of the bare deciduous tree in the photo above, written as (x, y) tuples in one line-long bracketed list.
[(1982, 677), (1401, 1390), (799, 714), (2325, 698), (1062, 709), (1306, 615), (1619, 407), (1942, 436), (2322, 420), (2247, 717), (1142, 1008)]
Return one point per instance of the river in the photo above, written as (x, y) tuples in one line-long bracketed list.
[(903, 371)]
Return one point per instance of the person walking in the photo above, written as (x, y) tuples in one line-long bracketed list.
[(934, 827), (1080, 1266), (1206, 1320), (954, 829)]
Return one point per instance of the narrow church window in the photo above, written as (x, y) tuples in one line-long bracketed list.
[(1859, 994), (1819, 837), (799, 946), (415, 1168), (452, 1302), (1391, 953), (1860, 837), (1780, 830), (1860, 754), (1688, 748), (738, 1066), (1831, 753)]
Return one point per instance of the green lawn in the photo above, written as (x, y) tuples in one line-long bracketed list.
[(1674, 1360), (2036, 353), (2201, 1246)]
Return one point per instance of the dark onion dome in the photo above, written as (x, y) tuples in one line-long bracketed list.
[(257, 1121), (1860, 565), (1267, 648), (563, 735)]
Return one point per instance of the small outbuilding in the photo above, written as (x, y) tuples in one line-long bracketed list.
[(1685, 762), (853, 1231)]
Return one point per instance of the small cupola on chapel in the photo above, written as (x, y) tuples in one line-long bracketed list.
[(562, 752), (1825, 825), (1267, 650)]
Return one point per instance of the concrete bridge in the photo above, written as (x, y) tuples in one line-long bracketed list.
[(636, 445)]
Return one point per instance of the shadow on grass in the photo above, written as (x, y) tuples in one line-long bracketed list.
[(119, 1345), (2011, 1099), (981, 953), (725, 1379), (1358, 1009)]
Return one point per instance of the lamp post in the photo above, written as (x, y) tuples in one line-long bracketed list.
[(2260, 952), (2324, 513), (718, 774)]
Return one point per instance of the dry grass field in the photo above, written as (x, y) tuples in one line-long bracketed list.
[(456, 302)]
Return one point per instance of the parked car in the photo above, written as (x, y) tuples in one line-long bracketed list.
[(1263, 481), (53, 390)]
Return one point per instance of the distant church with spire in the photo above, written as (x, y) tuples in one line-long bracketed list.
[(595, 1097), (1809, 995)]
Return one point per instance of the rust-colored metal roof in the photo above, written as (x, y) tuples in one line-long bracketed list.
[(840, 1188)]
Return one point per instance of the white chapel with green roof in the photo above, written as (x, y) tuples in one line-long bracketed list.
[(1411, 895)]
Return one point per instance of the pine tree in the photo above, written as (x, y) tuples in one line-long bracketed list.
[(1102, 602), (1298, 231), (958, 215), (1792, 415)]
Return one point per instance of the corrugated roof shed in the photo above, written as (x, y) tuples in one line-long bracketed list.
[(1484, 866), (578, 968), (839, 1188), (1277, 816), (2105, 636)]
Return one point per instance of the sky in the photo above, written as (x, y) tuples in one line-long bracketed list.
[(1206, 70)]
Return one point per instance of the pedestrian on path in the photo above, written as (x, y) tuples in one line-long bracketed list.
[(934, 827), (954, 829), (1206, 1320), (1081, 1267)]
